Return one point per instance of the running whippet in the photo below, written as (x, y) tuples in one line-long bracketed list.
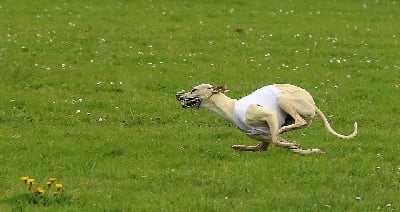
[(264, 114)]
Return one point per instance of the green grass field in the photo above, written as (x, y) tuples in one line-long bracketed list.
[(88, 97)]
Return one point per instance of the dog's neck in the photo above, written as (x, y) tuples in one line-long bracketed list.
[(220, 104)]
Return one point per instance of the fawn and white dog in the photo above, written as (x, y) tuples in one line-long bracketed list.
[(264, 114)]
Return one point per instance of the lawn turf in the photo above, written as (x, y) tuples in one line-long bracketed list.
[(87, 96)]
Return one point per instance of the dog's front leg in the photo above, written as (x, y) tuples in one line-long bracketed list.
[(262, 146)]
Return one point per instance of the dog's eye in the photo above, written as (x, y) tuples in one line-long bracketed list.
[(193, 90)]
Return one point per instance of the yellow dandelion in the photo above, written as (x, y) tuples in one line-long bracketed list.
[(52, 179), (30, 181), (59, 186), (40, 190), (49, 184), (25, 179)]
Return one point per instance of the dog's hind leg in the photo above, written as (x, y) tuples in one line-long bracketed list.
[(307, 151), (300, 151), (302, 110)]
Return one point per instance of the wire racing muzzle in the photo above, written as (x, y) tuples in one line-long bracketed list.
[(188, 101)]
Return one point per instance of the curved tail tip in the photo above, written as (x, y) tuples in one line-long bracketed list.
[(355, 128)]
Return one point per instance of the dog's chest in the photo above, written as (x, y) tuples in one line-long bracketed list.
[(266, 97)]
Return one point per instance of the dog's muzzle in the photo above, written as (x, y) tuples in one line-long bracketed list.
[(188, 101)]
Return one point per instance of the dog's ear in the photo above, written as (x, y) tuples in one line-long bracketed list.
[(220, 89)]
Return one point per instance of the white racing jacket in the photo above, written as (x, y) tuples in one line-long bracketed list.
[(267, 97)]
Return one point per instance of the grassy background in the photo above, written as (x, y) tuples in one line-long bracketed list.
[(87, 96)]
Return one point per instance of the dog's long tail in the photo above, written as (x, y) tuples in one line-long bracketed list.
[(331, 130)]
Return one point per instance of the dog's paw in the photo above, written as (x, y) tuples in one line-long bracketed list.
[(317, 151), (282, 130), (237, 147), (294, 146)]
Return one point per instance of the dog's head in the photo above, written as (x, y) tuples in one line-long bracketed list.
[(197, 94)]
